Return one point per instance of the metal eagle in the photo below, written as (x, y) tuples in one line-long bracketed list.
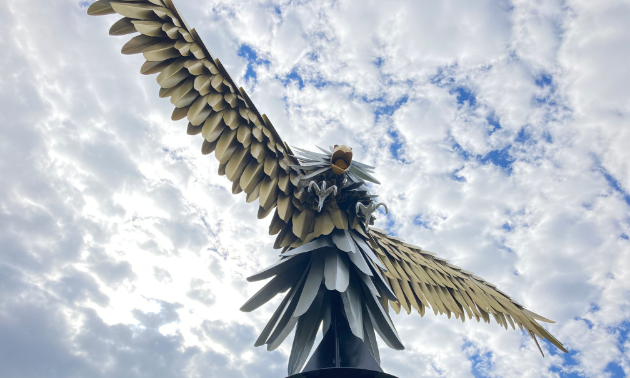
[(339, 273)]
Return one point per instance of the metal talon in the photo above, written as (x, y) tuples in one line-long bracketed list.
[(382, 204), (322, 193), (368, 210)]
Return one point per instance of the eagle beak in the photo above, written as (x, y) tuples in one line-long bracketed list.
[(341, 159)]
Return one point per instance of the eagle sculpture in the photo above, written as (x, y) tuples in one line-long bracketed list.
[(337, 270)]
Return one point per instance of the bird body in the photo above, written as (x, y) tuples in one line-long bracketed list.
[(333, 262)]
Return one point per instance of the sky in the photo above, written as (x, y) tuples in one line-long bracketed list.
[(496, 128)]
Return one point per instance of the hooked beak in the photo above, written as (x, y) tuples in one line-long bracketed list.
[(341, 159)]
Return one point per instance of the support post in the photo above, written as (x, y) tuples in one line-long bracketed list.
[(341, 353)]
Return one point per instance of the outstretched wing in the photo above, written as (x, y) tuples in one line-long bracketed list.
[(250, 152), (420, 279)]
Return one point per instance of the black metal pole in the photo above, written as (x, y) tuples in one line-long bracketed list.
[(334, 321), (341, 353)]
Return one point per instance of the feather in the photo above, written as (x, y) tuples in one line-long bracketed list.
[(306, 331), (313, 174), (382, 286), (363, 166), (312, 285), (364, 175), (286, 322), (264, 335), (352, 300), (368, 282), (336, 272), (277, 268), (366, 248), (369, 338), (359, 261), (343, 241), (318, 243), (381, 321), (327, 153), (277, 285)]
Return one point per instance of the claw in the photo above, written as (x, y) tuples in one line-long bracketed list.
[(382, 204), (361, 208), (310, 184), (369, 209), (322, 192)]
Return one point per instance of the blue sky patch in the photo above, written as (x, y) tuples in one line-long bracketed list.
[(612, 181), (615, 370), (250, 73), (464, 95), (595, 307), (543, 80), (172, 154), (466, 155), (588, 323), (622, 332), (319, 82), (253, 60), (293, 76), (418, 221), (390, 225), (547, 100), (493, 121), (396, 147), (569, 362), (523, 136), (499, 158), (441, 78), (481, 363), (390, 109), (456, 177)]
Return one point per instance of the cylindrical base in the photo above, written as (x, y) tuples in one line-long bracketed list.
[(340, 372)]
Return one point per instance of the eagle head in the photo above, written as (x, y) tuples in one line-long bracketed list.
[(341, 159)]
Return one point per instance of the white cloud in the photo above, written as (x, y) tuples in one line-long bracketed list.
[(120, 245)]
